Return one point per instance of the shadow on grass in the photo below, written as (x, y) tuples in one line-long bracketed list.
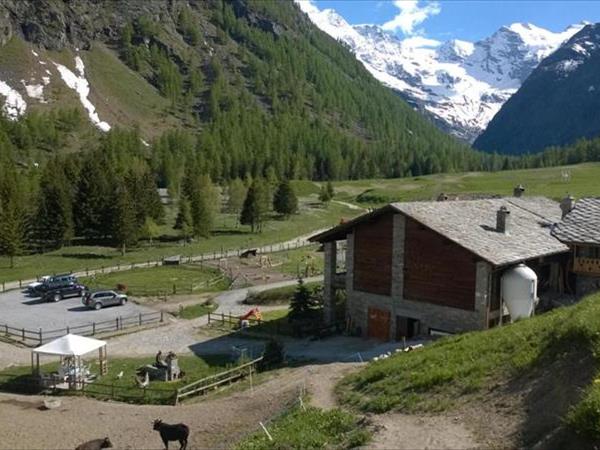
[(230, 232), (554, 383)]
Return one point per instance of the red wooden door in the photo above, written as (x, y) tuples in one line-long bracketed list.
[(379, 324)]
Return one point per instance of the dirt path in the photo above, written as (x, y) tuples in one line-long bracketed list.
[(410, 432), (215, 423), (322, 381)]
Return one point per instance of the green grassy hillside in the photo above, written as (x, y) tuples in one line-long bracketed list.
[(549, 182), (549, 364)]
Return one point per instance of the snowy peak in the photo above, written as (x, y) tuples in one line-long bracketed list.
[(461, 85)]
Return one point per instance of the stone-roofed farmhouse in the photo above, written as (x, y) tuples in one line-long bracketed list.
[(580, 230), (437, 266)]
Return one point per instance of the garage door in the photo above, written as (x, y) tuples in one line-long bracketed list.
[(379, 324)]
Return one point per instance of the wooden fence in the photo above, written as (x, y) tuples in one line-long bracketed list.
[(209, 256), (30, 384), (214, 381), (230, 319), (40, 336)]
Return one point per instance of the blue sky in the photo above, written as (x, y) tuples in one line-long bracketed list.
[(463, 19)]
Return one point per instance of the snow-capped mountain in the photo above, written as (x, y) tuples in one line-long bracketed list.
[(460, 85), (556, 105)]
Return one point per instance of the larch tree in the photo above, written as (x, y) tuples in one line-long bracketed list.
[(285, 201)]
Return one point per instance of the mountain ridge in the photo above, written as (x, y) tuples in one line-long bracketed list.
[(556, 105), (459, 85)]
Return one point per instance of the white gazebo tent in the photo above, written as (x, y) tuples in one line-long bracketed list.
[(71, 348)]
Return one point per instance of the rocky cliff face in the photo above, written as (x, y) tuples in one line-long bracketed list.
[(556, 105), (55, 25)]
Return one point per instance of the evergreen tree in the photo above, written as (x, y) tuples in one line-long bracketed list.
[(93, 199), (236, 193), (54, 215), (285, 201), (184, 221), (304, 304), (252, 212), (125, 228), (12, 229)]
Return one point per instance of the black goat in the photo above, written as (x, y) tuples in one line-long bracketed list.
[(178, 432), (95, 444)]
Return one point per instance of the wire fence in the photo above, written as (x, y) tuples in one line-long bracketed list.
[(40, 336)]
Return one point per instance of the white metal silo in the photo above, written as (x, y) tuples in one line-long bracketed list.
[(519, 291)]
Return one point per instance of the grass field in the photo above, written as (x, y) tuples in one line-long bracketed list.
[(161, 280), (582, 181), (226, 235), (553, 358), (195, 311), (125, 388), (277, 296), (309, 428)]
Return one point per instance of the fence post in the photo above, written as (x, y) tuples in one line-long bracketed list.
[(20, 284), (93, 328), (174, 289), (161, 316), (222, 321), (6, 328), (120, 322), (40, 336), (117, 324), (140, 319), (209, 317), (23, 332), (68, 330), (3, 286)]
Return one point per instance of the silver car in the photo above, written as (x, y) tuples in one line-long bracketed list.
[(101, 298)]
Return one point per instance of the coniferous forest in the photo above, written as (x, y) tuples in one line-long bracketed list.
[(261, 97)]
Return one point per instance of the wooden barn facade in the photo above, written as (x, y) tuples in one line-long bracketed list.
[(435, 267)]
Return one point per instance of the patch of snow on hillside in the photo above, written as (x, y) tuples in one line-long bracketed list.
[(14, 105), (569, 65), (46, 81), (81, 85), (34, 53), (35, 91)]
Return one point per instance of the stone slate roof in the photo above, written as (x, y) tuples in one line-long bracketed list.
[(582, 224), (472, 225)]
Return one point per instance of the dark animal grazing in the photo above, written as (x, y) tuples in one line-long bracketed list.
[(95, 444), (178, 432)]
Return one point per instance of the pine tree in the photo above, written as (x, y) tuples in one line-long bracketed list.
[(12, 229), (285, 201), (252, 211), (304, 304), (125, 229), (184, 221), (54, 215)]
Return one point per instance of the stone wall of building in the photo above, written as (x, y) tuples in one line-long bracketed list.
[(430, 316)]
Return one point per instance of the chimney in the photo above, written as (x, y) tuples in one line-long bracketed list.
[(503, 220), (518, 190), (567, 204), (442, 197)]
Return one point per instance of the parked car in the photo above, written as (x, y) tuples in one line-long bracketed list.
[(101, 298), (56, 282), (32, 287), (57, 294)]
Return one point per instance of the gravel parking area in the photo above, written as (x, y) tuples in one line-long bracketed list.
[(21, 311)]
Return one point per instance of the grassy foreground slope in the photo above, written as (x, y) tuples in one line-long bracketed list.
[(549, 362), (555, 182)]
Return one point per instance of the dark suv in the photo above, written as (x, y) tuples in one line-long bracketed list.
[(57, 294), (56, 282)]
